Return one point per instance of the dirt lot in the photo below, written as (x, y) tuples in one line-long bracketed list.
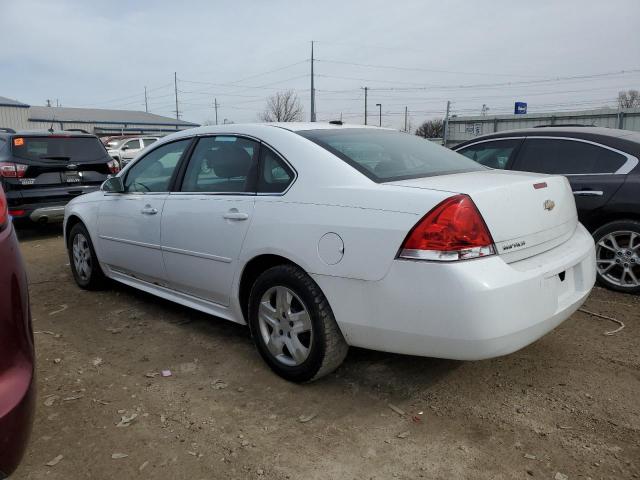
[(567, 405)]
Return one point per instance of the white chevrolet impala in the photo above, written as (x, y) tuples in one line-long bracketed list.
[(324, 236)]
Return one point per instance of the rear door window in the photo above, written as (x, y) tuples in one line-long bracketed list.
[(222, 164), (492, 154), (148, 141), (566, 157), (71, 149)]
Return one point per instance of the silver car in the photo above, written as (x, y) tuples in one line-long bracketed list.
[(126, 149)]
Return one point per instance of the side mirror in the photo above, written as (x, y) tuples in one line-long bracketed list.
[(125, 148), (113, 185)]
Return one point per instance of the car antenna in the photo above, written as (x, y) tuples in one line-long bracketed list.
[(53, 119)]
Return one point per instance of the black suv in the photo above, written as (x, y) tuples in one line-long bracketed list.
[(41, 171), (601, 165)]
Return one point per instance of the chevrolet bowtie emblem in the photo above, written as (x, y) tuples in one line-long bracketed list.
[(549, 205)]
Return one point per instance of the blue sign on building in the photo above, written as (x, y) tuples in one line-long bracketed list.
[(520, 108)]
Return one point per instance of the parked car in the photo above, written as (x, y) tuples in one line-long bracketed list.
[(41, 171), (125, 149), (323, 236), (17, 386), (602, 167)]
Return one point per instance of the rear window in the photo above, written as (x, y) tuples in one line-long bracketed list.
[(385, 155), (75, 149)]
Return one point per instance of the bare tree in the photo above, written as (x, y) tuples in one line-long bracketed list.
[(629, 99), (431, 129), (282, 107)]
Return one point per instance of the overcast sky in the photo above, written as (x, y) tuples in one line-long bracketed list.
[(414, 53)]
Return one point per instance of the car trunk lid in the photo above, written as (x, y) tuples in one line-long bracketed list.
[(526, 213)]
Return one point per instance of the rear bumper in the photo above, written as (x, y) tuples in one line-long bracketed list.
[(468, 310), (16, 423), (44, 204)]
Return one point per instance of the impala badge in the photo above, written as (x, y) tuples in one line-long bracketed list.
[(549, 205)]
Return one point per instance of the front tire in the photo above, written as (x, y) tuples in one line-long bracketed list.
[(293, 326), (84, 263), (618, 256)]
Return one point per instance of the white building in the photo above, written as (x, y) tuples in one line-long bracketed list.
[(466, 128)]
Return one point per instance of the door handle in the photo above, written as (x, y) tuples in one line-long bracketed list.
[(236, 215), (149, 210), (588, 193)]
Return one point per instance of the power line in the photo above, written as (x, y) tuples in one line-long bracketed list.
[(420, 69)]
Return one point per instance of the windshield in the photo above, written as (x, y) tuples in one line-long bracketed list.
[(76, 149), (115, 144), (386, 155)]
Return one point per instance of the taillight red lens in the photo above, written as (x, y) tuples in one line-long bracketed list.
[(453, 230), (12, 170), (114, 166), (4, 212)]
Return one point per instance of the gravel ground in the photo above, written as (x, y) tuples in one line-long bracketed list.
[(564, 407)]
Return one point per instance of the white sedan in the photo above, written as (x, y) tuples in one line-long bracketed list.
[(324, 236)]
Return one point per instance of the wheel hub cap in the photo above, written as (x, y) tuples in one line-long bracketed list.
[(81, 256), (285, 326), (618, 258)]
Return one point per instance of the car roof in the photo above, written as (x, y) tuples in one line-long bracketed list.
[(47, 133), (625, 140), (544, 130), (572, 130), (290, 126), (302, 126)]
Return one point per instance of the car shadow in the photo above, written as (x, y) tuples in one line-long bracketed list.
[(27, 231), (378, 373)]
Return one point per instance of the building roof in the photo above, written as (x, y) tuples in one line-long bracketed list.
[(8, 102), (101, 116), (541, 115)]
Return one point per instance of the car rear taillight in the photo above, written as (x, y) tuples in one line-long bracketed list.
[(453, 230), (4, 211), (12, 170), (114, 166)]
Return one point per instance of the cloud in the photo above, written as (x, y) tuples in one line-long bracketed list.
[(103, 54)]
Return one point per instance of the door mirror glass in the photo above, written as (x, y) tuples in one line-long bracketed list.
[(113, 185)]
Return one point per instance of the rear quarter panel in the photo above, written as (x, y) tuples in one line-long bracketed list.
[(293, 229)]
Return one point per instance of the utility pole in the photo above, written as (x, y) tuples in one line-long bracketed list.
[(175, 87), (445, 133), (366, 89), (379, 105), (146, 102), (48, 102), (313, 92), (215, 105), (405, 119)]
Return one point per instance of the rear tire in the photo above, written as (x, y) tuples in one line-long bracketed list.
[(293, 326), (84, 263), (618, 256)]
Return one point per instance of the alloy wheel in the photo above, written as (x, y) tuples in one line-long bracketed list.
[(618, 258), (285, 326), (82, 256)]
